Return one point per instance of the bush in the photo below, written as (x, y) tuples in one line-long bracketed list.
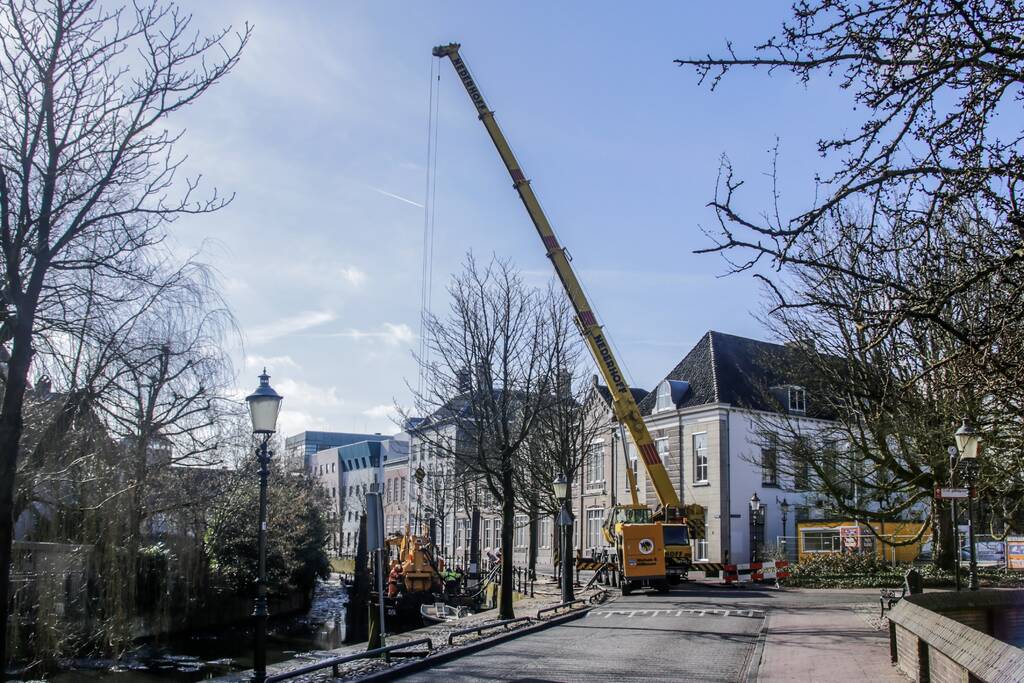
[(845, 570)]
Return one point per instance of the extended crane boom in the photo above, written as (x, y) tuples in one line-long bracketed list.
[(623, 404)]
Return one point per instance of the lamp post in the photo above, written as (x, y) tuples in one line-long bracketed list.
[(953, 452), (561, 489), (784, 509), (967, 442), (756, 521), (264, 406)]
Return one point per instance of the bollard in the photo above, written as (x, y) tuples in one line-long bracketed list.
[(913, 581)]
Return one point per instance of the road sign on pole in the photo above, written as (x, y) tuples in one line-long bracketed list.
[(950, 493)]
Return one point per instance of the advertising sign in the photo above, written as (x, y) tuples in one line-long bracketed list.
[(947, 493), (849, 537), (1015, 552)]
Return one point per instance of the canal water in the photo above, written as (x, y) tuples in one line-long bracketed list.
[(200, 656)]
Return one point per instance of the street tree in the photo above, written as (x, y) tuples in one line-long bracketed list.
[(88, 178), (567, 424), (937, 86), (488, 370)]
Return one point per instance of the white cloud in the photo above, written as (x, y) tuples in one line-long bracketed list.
[(380, 411), (271, 362), (392, 334), (291, 422), (289, 325), (299, 394), (352, 275)]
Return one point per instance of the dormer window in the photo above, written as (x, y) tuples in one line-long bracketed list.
[(663, 400), (797, 400)]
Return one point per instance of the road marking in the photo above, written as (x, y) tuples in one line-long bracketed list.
[(651, 613)]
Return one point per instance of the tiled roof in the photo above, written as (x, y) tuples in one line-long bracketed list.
[(638, 394), (725, 368)]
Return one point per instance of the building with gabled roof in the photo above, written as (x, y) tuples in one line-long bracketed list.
[(711, 418)]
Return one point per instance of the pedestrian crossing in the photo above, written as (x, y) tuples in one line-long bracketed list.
[(650, 613)]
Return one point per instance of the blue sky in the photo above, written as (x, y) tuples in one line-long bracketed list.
[(321, 134)]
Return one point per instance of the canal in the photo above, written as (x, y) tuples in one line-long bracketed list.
[(199, 656)]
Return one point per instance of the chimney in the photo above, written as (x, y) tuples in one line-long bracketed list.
[(564, 383), (464, 379)]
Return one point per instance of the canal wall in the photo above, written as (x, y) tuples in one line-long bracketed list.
[(947, 636)]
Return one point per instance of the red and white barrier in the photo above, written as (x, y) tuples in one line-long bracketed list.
[(756, 571)]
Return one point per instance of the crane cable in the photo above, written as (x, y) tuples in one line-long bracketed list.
[(429, 196)]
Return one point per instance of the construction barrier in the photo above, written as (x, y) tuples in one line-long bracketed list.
[(592, 565), (708, 567), (756, 571)]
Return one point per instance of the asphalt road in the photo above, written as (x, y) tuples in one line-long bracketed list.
[(693, 634)]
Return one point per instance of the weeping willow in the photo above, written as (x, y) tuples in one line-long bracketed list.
[(85, 583)]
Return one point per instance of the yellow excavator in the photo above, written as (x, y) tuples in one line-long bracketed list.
[(651, 547)]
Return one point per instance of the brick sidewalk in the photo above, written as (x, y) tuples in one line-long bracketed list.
[(825, 644)]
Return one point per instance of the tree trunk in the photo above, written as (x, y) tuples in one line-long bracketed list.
[(944, 546), (531, 552), (507, 528), (11, 425)]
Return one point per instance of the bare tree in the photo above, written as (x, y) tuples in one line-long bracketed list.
[(566, 423), (86, 165), (491, 367), (897, 398), (930, 79)]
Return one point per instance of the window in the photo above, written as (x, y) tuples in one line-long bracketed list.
[(662, 446), (594, 518), (403, 488), (801, 463), (819, 540), (522, 530), (334, 492), (702, 547), (497, 533), (700, 457), (487, 534), (595, 466), (544, 532), (631, 455), (770, 465), (663, 401), (332, 468), (797, 400)]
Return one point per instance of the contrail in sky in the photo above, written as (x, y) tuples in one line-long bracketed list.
[(394, 196)]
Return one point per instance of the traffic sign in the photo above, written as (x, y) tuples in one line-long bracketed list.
[(947, 493)]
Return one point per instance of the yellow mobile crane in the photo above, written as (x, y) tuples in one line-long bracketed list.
[(637, 533)]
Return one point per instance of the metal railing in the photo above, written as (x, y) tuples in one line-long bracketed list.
[(335, 662), (485, 627), (578, 601)]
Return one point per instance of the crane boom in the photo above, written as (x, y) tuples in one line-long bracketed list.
[(623, 404)]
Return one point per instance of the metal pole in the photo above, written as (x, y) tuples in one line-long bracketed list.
[(956, 529), (785, 538), (956, 546), (970, 475), (380, 591), (753, 542), (566, 550), (260, 612)]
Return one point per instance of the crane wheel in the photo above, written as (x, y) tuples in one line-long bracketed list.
[(663, 587), (626, 588)]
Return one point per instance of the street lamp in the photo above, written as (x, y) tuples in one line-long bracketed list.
[(561, 489), (264, 406), (967, 442), (953, 453), (784, 509), (756, 512)]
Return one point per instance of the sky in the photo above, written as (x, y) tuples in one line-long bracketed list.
[(321, 135)]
